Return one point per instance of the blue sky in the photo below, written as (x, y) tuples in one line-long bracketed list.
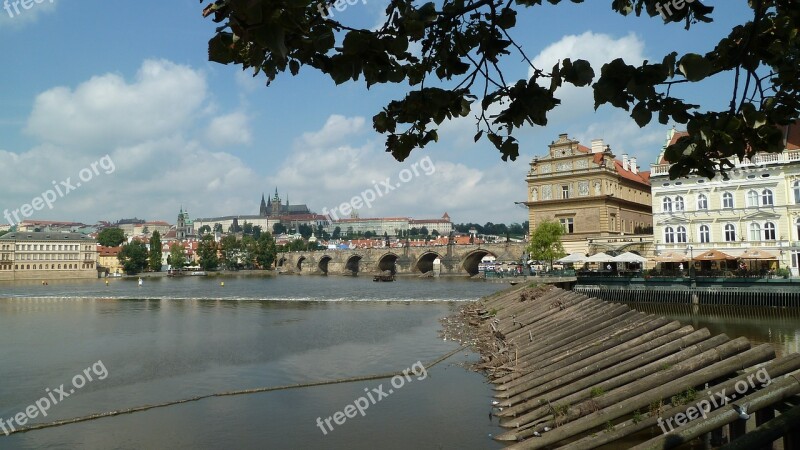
[(131, 80)]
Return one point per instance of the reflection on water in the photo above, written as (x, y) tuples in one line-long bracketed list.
[(777, 326), (178, 338)]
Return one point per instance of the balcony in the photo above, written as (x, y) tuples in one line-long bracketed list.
[(760, 159)]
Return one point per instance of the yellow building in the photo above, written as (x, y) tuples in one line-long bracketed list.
[(34, 255), (107, 259), (590, 192), (758, 207)]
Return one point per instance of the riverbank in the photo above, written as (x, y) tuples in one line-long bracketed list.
[(581, 372)]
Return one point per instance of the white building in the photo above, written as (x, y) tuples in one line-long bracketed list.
[(757, 207)]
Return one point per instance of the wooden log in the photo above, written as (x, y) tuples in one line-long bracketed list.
[(775, 368), (779, 390), (764, 435), (617, 403), (600, 361)]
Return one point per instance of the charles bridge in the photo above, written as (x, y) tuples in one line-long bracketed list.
[(453, 259)]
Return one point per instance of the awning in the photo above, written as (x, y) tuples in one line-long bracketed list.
[(752, 253), (714, 255), (599, 258), (671, 257), (629, 257), (572, 258)]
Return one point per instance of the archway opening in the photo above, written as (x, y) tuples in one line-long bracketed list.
[(472, 261), (323, 264), (281, 261), (300, 263), (388, 262), (352, 264), (425, 262)]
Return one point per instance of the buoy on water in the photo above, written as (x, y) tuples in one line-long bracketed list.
[(222, 284)]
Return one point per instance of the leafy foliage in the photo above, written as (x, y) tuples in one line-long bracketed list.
[(230, 250), (462, 42), (177, 256), (133, 257), (545, 242), (207, 253), (111, 237), (154, 257)]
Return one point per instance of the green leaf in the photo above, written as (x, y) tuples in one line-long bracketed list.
[(694, 67), (219, 48)]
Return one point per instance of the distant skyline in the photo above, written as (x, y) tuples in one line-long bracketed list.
[(184, 131)]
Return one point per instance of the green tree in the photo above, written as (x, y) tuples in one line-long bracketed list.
[(205, 229), (177, 256), (218, 228), (266, 251), (279, 228), (257, 230), (247, 252), (230, 251), (545, 242), (154, 258), (305, 230), (133, 257), (463, 45), (207, 253), (337, 233), (247, 228), (424, 231), (111, 237), (368, 234)]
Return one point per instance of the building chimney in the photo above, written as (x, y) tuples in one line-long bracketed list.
[(625, 161), (634, 168), (597, 146)]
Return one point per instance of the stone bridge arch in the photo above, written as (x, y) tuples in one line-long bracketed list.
[(281, 261), (473, 259), (425, 261), (353, 264), (322, 265), (388, 262)]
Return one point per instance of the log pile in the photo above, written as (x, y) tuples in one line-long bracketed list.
[(573, 371)]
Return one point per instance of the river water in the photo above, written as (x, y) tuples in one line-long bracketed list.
[(173, 339), (177, 338)]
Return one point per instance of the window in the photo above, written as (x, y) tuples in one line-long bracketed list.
[(796, 189), (679, 203), (730, 233), (755, 232), (752, 198), (702, 202), (769, 231), (682, 235), (766, 197), (727, 200), (705, 234), (565, 191), (666, 205), (669, 235), (798, 227), (568, 225)]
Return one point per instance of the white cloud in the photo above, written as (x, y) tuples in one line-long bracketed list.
[(107, 111), (324, 172), (15, 15), (147, 127), (597, 49), (230, 129)]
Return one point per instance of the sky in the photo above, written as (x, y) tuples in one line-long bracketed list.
[(111, 110)]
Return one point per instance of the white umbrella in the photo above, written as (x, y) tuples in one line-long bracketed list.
[(599, 258), (629, 257), (572, 258)]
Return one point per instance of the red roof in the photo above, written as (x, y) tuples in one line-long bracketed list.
[(108, 251), (793, 136)]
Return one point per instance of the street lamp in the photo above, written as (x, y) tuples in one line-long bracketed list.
[(691, 261)]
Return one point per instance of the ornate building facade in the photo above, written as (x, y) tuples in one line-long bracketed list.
[(589, 192), (757, 207)]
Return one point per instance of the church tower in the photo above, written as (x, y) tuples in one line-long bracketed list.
[(262, 211)]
